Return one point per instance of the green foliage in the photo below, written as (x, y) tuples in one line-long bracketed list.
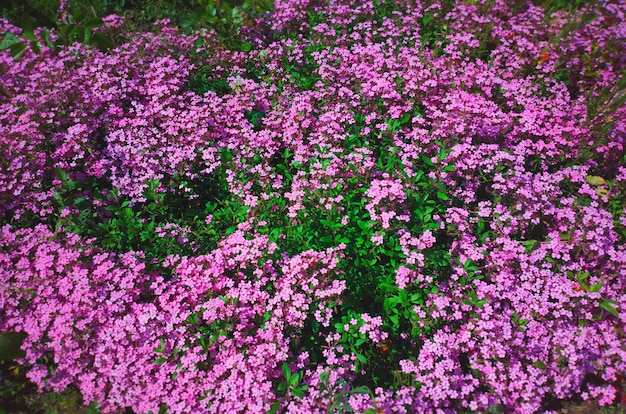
[(369, 269), (96, 210), (605, 304), (616, 203), (79, 29), (10, 345), (121, 226), (551, 6), (338, 399), (227, 17), (19, 395), (68, 401), (304, 74), (18, 11), (211, 333), (202, 81), (292, 383), (432, 32)]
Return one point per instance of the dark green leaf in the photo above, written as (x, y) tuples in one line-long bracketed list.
[(596, 286), (68, 32), (29, 36), (286, 371), (582, 276), (18, 50), (10, 345), (102, 41), (34, 45), (361, 390), (91, 22), (364, 225), (607, 306), (29, 23)]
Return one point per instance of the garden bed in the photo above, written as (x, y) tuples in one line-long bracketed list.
[(332, 207)]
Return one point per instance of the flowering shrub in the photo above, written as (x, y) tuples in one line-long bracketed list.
[(380, 207)]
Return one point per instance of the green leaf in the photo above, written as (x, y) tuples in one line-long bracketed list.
[(363, 225), (607, 305), (273, 408), (160, 361), (594, 180), (297, 392), (286, 371), (442, 196), (28, 35), (45, 35), (582, 276), (85, 35), (29, 23), (67, 32), (361, 358), (597, 286), (102, 41), (530, 245), (61, 175), (34, 45), (17, 50), (161, 348), (92, 22), (361, 390)]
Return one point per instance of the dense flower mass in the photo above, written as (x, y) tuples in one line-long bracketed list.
[(393, 206)]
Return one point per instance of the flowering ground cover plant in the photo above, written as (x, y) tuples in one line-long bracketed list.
[(405, 206)]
